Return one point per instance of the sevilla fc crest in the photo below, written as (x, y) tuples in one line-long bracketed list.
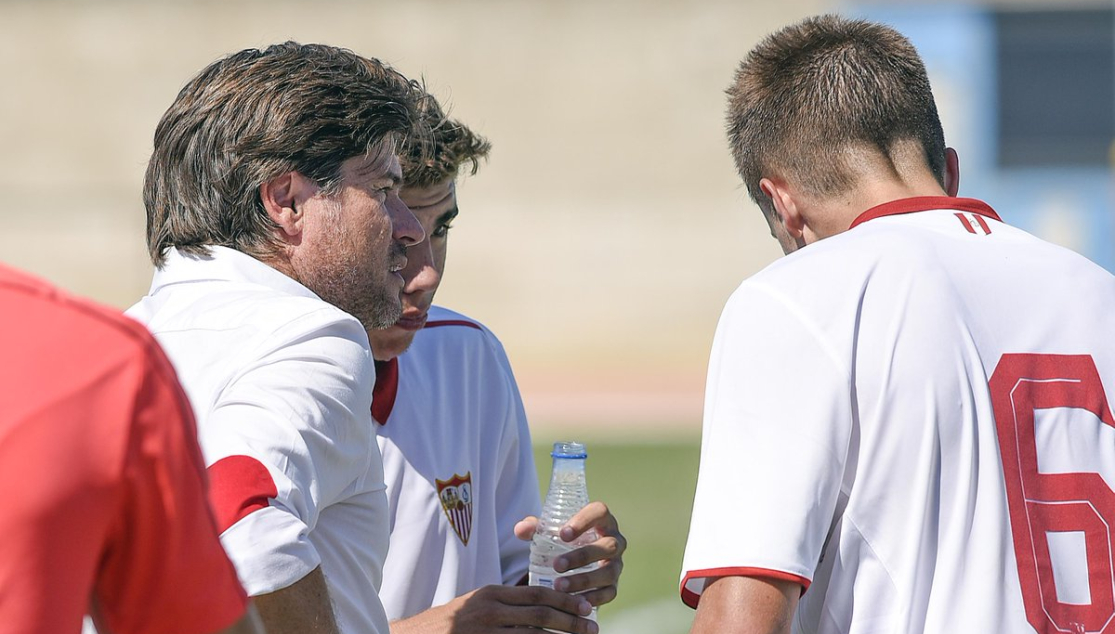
[(456, 500)]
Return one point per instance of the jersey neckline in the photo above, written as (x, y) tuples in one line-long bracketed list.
[(926, 203), (386, 389)]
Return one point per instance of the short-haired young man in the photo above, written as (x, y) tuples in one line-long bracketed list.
[(456, 447), (906, 417), (275, 222), (104, 489)]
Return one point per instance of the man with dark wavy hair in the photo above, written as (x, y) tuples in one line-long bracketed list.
[(906, 423), (456, 447), (274, 218)]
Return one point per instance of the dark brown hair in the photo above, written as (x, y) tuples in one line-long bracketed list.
[(811, 92), (439, 148), (255, 115)]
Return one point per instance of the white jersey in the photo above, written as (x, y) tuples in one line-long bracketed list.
[(281, 384), (910, 420), (458, 464)]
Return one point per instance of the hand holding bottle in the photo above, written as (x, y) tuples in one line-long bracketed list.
[(576, 545), (597, 585)]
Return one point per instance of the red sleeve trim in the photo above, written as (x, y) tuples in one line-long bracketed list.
[(238, 486), (690, 598), (453, 322)]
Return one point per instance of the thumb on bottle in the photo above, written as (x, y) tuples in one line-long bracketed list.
[(526, 528)]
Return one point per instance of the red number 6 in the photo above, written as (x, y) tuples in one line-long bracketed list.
[(1042, 503)]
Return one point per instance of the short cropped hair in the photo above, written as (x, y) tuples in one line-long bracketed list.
[(256, 115), (814, 90), (439, 148)]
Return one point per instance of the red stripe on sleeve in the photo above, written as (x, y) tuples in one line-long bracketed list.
[(690, 598), (238, 486)]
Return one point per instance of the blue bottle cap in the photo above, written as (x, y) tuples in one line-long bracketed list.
[(569, 449)]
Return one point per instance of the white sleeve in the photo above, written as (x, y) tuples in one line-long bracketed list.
[(517, 487), (776, 432), (289, 436)]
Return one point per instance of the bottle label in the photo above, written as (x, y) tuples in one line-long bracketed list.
[(545, 581)]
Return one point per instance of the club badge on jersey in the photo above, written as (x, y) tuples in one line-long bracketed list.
[(456, 500)]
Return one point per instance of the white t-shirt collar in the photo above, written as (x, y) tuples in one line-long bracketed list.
[(223, 263)]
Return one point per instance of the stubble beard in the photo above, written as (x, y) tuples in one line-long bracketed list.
[(374, 307), (344, 279)]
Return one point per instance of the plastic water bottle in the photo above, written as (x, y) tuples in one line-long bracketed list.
[(568, 494)]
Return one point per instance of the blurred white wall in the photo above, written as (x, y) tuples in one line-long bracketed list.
[(599, 241)]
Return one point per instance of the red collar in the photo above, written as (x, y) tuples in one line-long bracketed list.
[(385, 390), (926, 203)]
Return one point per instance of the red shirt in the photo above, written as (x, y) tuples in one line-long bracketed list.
[(102, 486)]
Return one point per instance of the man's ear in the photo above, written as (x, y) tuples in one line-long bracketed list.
[(785, 205), (283, 197), (952, 172)]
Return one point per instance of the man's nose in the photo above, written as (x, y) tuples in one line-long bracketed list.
[(420, 274), (405, 228)]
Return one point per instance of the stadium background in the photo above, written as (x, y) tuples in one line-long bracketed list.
[(608, 227)]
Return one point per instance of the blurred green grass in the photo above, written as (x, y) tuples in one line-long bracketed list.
[(649, 488)]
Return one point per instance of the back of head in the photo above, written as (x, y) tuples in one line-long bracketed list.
[(255, 115), (439, 147), (812, 97)]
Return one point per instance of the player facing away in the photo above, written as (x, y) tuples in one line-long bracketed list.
[(275, 223), (456, 446), (104, 488), (907, 420)]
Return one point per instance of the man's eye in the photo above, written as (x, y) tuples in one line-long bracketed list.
[(442, 231)]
